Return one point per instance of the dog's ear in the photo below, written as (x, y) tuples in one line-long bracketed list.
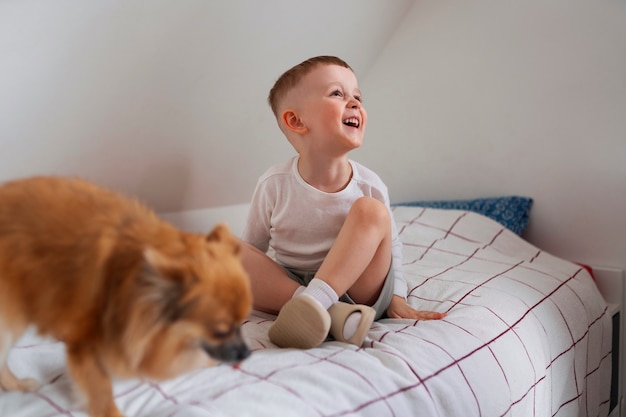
[(157, 260), (163, 283), (221, 234), (158, 288)]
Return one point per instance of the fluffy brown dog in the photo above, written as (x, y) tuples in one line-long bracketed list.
[(129, 295)]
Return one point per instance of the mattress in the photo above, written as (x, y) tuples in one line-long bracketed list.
[(526, 334)]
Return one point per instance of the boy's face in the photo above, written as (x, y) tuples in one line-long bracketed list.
[(329, 104)]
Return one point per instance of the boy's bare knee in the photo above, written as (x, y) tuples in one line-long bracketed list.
[(371, 211)]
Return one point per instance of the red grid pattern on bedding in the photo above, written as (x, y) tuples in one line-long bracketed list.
[(526, 335)]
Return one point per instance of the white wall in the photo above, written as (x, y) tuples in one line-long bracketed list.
[(165, 100), (204, 220), (485, 97)]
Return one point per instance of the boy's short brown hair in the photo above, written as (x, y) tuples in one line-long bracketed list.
[(292, 77)]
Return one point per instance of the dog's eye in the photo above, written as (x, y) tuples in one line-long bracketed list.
[(222, 331), (221, 334)]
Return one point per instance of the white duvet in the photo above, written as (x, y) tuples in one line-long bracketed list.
[(527, 334)]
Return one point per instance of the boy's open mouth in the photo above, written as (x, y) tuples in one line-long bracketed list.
[(352, 121)]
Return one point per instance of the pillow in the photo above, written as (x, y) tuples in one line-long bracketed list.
[(511, 211)]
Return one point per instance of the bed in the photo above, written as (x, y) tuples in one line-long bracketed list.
[(526, 334)]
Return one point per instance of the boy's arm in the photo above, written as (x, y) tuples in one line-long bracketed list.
[(399, 308), (257, 229), (399, 286)]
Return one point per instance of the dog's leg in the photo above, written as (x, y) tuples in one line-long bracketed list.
[(91, 377), (8, 381)]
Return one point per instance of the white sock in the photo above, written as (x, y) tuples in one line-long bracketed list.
[(352, 323), (320, 292), (298, 291)]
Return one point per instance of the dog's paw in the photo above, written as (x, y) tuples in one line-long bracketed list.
[(24, 385), (115, 413), (28, 385)]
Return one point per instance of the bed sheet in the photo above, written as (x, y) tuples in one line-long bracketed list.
[(526, 334)]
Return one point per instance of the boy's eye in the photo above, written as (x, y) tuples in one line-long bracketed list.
[(337, 93)]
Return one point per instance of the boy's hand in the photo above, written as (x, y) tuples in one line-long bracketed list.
[(399, 309)]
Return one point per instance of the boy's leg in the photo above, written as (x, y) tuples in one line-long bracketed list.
[(306, 323), (271, 286), (357, 263), (359, 260)]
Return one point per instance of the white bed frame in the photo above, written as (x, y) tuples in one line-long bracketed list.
[(611, 283)]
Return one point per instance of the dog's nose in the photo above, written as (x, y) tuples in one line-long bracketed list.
[(243, 352), (234, 351)]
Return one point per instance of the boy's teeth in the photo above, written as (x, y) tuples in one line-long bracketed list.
[(351, 121)]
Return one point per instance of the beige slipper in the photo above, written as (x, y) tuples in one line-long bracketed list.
[(339, 313), (302, 323)]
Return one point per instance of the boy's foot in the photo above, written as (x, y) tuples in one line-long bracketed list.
[(339, 313), (302, 323)]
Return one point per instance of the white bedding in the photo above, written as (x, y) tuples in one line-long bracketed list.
[(527, 334)]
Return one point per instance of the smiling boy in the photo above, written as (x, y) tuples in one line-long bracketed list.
[(337, 261)]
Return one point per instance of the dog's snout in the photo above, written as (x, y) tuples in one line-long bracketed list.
[(233, 351), (242, 353)]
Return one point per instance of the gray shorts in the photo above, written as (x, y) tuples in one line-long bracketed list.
[(382, 303)]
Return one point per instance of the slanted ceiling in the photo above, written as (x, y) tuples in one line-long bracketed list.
[(162, 99)]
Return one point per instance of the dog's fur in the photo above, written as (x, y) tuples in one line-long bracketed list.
[(129, 294)]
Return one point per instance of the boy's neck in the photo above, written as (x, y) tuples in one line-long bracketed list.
[(330, 175)]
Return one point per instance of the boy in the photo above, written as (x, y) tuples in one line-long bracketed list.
[(325, 217)]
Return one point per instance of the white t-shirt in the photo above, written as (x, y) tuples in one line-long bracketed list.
[(300, 223)]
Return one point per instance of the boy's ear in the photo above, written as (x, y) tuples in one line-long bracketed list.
[(292, 121)]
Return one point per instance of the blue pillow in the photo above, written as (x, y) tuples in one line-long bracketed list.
[(512, 212)]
